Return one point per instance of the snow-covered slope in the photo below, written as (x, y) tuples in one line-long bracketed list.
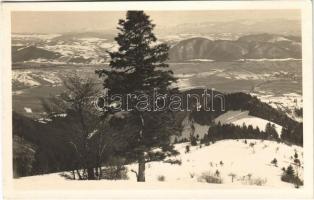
[(187, 125), (287, 102), (251, 165), (240, 117)]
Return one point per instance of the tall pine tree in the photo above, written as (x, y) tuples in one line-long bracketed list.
[(138, 67)]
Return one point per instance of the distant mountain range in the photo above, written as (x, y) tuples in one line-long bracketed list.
[(236, 27), (90, 48), (269, 46)]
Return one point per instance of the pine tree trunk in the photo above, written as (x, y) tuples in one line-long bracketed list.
[(141, 168)]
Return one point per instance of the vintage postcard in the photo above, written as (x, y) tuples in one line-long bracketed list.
[(157, 100)]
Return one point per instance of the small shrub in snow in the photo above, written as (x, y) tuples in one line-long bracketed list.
[(290, 177), (115, 173), (193, 141), (209, 178), (161, 178), (249, 176), (233, 176), (217, 173), (297, 162), (245, 142), (295, 154), (296, 159), (192, 175), (187, 149), (274, 162), (290, 171), (221, 163), (249, 180), (277, 149), (255, 181)]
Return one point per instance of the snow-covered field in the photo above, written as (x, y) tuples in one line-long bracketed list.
[(33, 78), (242, 117), (250, 165), (285, 102), (24, 78)]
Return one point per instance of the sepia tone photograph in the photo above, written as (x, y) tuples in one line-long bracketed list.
[(160, 99)]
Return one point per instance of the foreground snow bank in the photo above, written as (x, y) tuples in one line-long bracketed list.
[(228, 157), (249, 163)]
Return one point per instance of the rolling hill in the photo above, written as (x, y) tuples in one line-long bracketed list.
[(25, 53), (258, 46)]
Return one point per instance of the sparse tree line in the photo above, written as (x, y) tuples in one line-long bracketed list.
[(230, 131), (220, 131)]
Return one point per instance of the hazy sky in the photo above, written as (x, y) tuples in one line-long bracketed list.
[(58, 22)]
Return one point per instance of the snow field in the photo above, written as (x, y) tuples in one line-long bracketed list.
[(227, 156), (240, 117)]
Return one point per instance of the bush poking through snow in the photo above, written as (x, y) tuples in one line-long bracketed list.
[(161, 178), (274, 162), (254, 181), (290, 177), (296, 159), (233, 176), (217, 173), (249, 176), (209, 178), (193, 141), (187, 149), (115, 173)]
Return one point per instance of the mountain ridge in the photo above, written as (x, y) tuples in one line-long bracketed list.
[(269, 46), (258, 46)]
